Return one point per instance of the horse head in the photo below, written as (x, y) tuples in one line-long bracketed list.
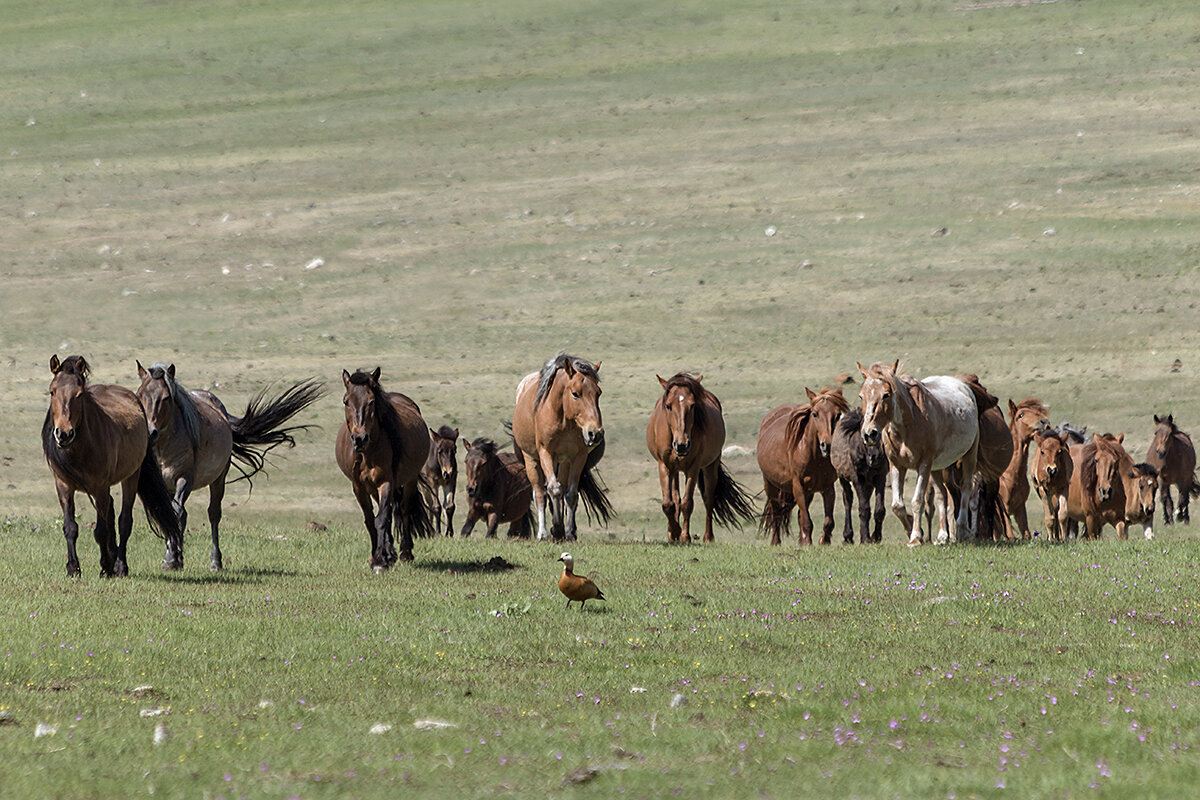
[(362, 390), (442, 450), (1026, 418), (66, 389), (480, 463), (827, 408), (680, 396), (581, 401), (1141, 484), (1164, 429), (157, 394), (878, 400), (1108, 462), (1052, 457)]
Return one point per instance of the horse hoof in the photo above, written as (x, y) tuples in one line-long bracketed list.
[(406, 556), (172, 566), (379, 569), (914, 542)]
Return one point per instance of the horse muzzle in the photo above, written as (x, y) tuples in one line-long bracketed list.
[(153, 434), (871, 437), (681, 449), (359, 440), (824, 448), (64, 438), (591, 438), (1105, 494), (1051, 471)]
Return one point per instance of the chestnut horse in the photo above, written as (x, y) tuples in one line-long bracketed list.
[(861, 470), (381, 449), (196, 440), (924, 425), (793, 453), (440, 473), (1052, 467), (1108, 488), (685, 434), (498, 490), (1024, 419), (557, 430), (1175, 458), (94, 437)]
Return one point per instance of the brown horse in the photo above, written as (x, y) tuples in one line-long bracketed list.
[(381, 449), (926, 425), (1174, 456), (196, 440), (793, 454), (558, 431), (440, 473), (685, 434), (1024, 419), (94, 437), (1052, 468), (1108, 488), (498, 490)]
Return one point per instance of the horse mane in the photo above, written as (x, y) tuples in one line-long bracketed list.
[(77, 365), (385, 412), (446, 432), (1087, 468), (798, 421), (560, 360), (851, 422), (485, 445), (189, 415), (1033, 404), (1146, 469), (684, 380)]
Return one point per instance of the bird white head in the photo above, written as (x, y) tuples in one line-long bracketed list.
[(568, 560)]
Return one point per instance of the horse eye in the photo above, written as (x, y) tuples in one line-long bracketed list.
[(575, 394)]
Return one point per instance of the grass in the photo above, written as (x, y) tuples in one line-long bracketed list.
[(488, 183)]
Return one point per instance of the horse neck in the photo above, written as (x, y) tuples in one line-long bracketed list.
[(1020, 457), (904, 401)]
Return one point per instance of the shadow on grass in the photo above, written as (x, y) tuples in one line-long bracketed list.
[(243, 575), (495, 564)]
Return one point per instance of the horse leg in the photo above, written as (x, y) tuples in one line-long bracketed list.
[(709, 477), (173, 559), (569, 500), (687, 499), (827, 527), (880, 512), (848, 504), (66, 499), (940, 503), (774, 511), (1185, 495), (1168, 506), (1063, 518), (125, 525), (493, 522), (105, 532), (802, 499), (963, 530), (469, 523), (862, 493), (405, 499), (668, 481), (448, 507), (216, 494), (919, 491), (537, 482), (1050, 505)]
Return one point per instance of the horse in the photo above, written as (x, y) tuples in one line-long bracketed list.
[(196, 440), (686, 433), (1174, 456), (498, 490), (95, 436), (1108, 488), (558, 431), (1024, 420), (794, 442), (381, 449), (440, 473), (923, 425), (862, 470), (1052, 468)]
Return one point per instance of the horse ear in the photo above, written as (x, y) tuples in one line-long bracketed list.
[(456, 433), (699, 379), (596, 367), (896, 367), (811, 394), (466, 444), (432, 434), (55, 364), (1171, 420), (171, 371), (1012, 409), (568, 367), (661, 381), (375, 374), (1120, 438), (1157, 421), (141, 370), (346, 378), (860, 369)]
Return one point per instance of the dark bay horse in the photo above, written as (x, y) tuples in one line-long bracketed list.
[(381, 449), (862, 470), (196, 441), (926, 425), (793, 453), (1173, 455), (1052, 467), (498, 489), (94, 437), (557, 430), (440, 473), (686, 433), (1024, 420)]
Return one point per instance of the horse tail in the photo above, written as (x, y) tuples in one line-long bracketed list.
[(157, 499), (731, 501), (413, 511), (261, 429), (775, 519), (592, 490)]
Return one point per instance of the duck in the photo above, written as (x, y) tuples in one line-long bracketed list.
[(576, 587)]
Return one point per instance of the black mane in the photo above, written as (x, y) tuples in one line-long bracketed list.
[(560, 360)]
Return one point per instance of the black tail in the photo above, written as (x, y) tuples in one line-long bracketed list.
[(731, 502), (260, 430), (157, 500), (592, 490), (414, 512), (775, 519)]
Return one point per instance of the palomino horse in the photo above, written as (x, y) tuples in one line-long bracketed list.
[(1052, 468), (793, 454), (1024, 419), (440, 473), (95, 436), (861, 471), (923, 425), (381, 449), (557, 430), (1175, 458), (498, 489), (1108, 488), (196, 440), (685, 434)]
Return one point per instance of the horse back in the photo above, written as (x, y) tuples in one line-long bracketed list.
[(950, 424), (772, 452), (523, 429)]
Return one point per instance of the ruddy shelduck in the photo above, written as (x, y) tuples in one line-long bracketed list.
[(576, 587)]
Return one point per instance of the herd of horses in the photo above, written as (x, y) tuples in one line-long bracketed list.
[(973, 468)]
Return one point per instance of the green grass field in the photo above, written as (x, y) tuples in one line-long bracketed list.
[(262, 191)]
